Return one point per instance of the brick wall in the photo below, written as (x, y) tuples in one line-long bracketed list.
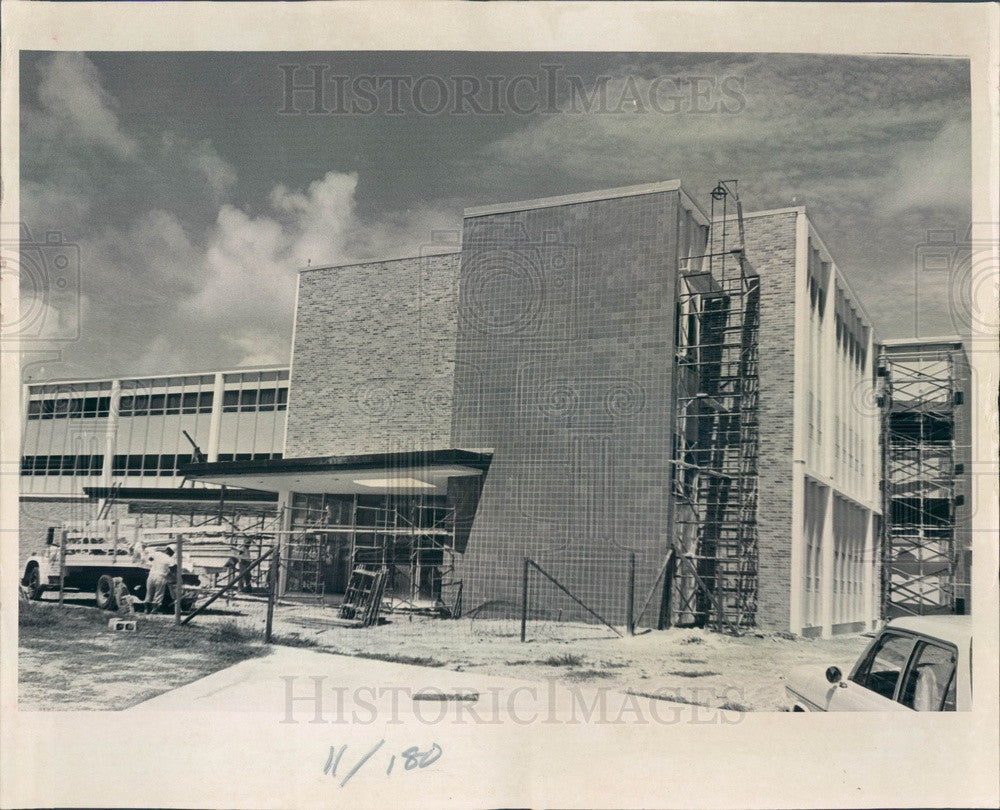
[(770, 248), (563, 367), (373, 360)]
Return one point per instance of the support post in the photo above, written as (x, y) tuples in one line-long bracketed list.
[(524, 601), (179, 579), (62, 564), (630, 595), (272, 581)]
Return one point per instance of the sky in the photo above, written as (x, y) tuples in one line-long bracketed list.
[(171, 198)]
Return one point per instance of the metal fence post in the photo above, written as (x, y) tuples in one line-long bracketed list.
[(524, 601), (272, 582), (179, 579), (62, 563), (630, 604)]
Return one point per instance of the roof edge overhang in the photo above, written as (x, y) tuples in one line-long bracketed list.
[(412, 459), (181, 494)]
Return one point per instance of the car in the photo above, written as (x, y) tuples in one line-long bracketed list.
[(916, 663)]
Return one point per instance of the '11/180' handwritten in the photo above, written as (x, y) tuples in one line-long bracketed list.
[(412, 758)]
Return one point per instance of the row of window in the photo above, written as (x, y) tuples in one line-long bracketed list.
[(165, 404), (149, 464), (254, 399), (265, 399), (62, 465), (75, 408)]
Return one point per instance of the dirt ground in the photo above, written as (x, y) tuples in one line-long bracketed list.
[(697, 666), (68, 658), (745, 673)]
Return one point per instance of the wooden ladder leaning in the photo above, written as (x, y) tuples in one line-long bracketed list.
[(363, 599)]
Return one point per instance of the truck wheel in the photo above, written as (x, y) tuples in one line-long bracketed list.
[(33, 581), (105, 595)]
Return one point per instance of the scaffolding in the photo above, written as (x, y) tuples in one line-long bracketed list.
[(411, 539), (919, 553), (715, 474)]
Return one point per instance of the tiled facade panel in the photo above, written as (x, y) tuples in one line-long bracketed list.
[(770, 248), (563, 367), (373, 360)]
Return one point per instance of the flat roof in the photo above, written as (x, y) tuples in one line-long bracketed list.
[(441, 250), (923, 341), (417, 472), (181, 494), (585, 197), (177, 374)]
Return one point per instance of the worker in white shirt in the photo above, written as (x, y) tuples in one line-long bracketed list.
[(160, 563)]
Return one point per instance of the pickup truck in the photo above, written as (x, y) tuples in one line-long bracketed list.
[(916, 663), (94, 556)]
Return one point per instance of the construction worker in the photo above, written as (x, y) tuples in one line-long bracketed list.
[(245, 559), (160, 565)]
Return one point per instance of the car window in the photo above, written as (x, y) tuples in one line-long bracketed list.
[(930, 680), (885, 663)]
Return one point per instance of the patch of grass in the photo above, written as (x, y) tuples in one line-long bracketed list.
[(692, 640), (116, 669), (692, 661), (668, 698), (587, 674), (37, 617), (693, 673), (231, 632), (393, 658), (735, 706), (565, 660), (294, 640)]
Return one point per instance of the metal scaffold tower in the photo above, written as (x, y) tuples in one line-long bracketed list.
[(919, 554), (411, 540), (716, 454)]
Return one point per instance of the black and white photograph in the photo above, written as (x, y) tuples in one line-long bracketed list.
[(561, 420)]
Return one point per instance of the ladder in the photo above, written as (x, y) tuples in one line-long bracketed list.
[(363, 599)]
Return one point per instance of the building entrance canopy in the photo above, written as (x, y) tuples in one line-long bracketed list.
[(421, 472)]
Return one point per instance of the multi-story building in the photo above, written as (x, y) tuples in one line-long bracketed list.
[(130, 432), (598, 382)]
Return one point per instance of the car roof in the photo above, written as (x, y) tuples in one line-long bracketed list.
[(954, 629)]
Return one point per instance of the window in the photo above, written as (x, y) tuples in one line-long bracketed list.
[(881, 670), (62, 465), (930, 680), (69, 408), (145, 465), (249, 400), (161, 404)]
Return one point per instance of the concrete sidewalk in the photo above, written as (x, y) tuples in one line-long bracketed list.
[(302, 685)]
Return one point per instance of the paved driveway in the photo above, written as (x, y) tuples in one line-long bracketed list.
[(301, 685)]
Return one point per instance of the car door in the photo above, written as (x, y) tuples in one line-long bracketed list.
[(874, 683), (930, 681)]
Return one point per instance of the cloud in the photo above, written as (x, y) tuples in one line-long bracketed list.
[(877, 149), (203, 160), (934, 173), (70, 93), (229, 299), (79, 162)]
